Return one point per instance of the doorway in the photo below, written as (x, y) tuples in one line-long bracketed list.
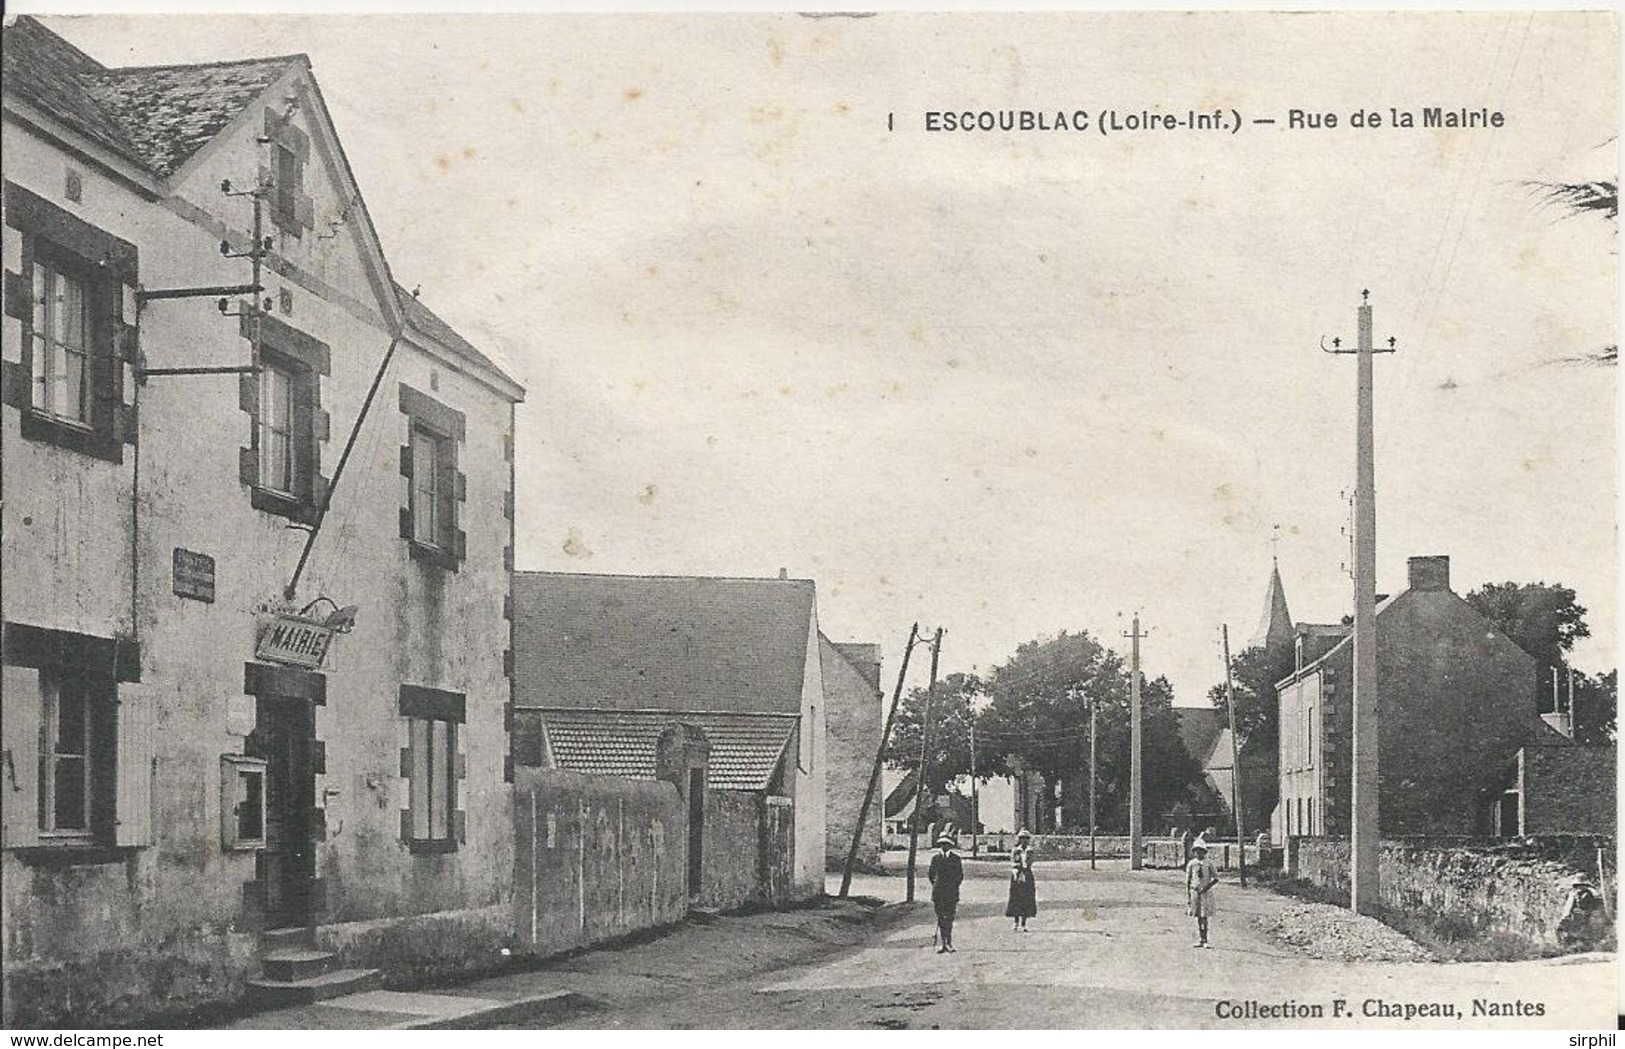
[(696, 828), (284, 731)]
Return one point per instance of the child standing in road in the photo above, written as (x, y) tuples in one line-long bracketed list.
[(1200, 878)]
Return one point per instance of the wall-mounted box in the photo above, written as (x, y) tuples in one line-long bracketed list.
[(242, 802)]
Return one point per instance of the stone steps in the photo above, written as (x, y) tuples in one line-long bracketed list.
[(294, 971), (274, 994)]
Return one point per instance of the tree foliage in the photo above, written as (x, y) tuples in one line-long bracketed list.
[(1038, 719), (1544, 620), (1596, 704), (1254, 673), (952, 708)]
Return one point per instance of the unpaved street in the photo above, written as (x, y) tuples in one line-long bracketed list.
[(1110, 948)]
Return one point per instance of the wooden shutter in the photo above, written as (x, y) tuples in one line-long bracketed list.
[(19, 761), (136, 769)]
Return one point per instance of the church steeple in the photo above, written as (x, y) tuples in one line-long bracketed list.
[(1275, 628)]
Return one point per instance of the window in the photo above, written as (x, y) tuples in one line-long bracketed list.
[(288, 178), (278, 464), (70, 293), (433, 789), (427, 488), (431, 821), (60, 334), (434, 487), (1309, 737), (76, 755), (282, 463)]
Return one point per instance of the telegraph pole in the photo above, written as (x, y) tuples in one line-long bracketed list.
[(1092, 779), (1235, 757), (1136, 788), (1364, 827), (880, 754), (975, 815), (919, 784)]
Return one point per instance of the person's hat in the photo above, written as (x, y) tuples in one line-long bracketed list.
[(946, 839), (1199, 843), (1024, 833)]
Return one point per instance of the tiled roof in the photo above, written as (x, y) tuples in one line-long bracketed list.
[(155, 117), (661, 642), (745, 748)]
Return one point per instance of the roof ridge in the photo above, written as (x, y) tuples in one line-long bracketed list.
[(289, 59)]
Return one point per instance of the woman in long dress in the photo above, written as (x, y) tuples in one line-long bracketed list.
[(1023, 902), (1200, 878)]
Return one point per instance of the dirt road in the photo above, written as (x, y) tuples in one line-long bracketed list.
[(1109, 948)]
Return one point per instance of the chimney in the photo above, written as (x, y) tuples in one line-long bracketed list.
[(1430, 573)]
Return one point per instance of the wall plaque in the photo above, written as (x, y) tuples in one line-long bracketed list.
[(193, 575)]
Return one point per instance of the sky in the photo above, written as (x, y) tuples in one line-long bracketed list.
[(1007, 384)]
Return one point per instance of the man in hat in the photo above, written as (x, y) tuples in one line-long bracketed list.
[(945, 874), (1200, 878)]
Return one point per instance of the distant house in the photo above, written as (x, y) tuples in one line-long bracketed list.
[(1457, 708), (853, 718), (604, 664)]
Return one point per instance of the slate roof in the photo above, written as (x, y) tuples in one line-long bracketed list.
[(427, 321), (678, 643), (156, 117), (1199, 727), (745, 748)]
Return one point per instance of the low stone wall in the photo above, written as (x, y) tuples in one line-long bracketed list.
[(748, 851), (1514, 891), (1154, 852), (595, 858)]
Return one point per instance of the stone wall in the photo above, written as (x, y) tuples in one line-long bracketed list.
[(1569, 789), (595, 858), (1154, 852), (730, 853), (1466, 888)]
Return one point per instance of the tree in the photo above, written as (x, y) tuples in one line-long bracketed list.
[(1038, 719), (1544, 620), (1254, 672), (1596, 701), (951, 713)]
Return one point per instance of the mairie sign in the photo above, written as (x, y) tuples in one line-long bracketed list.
[(297, 642)]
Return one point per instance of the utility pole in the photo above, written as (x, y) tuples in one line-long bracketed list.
[(1092, 779), (1364, 826), (975, 815), (1136, 788), (880, 755), (1235, 757), (919, 784)]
